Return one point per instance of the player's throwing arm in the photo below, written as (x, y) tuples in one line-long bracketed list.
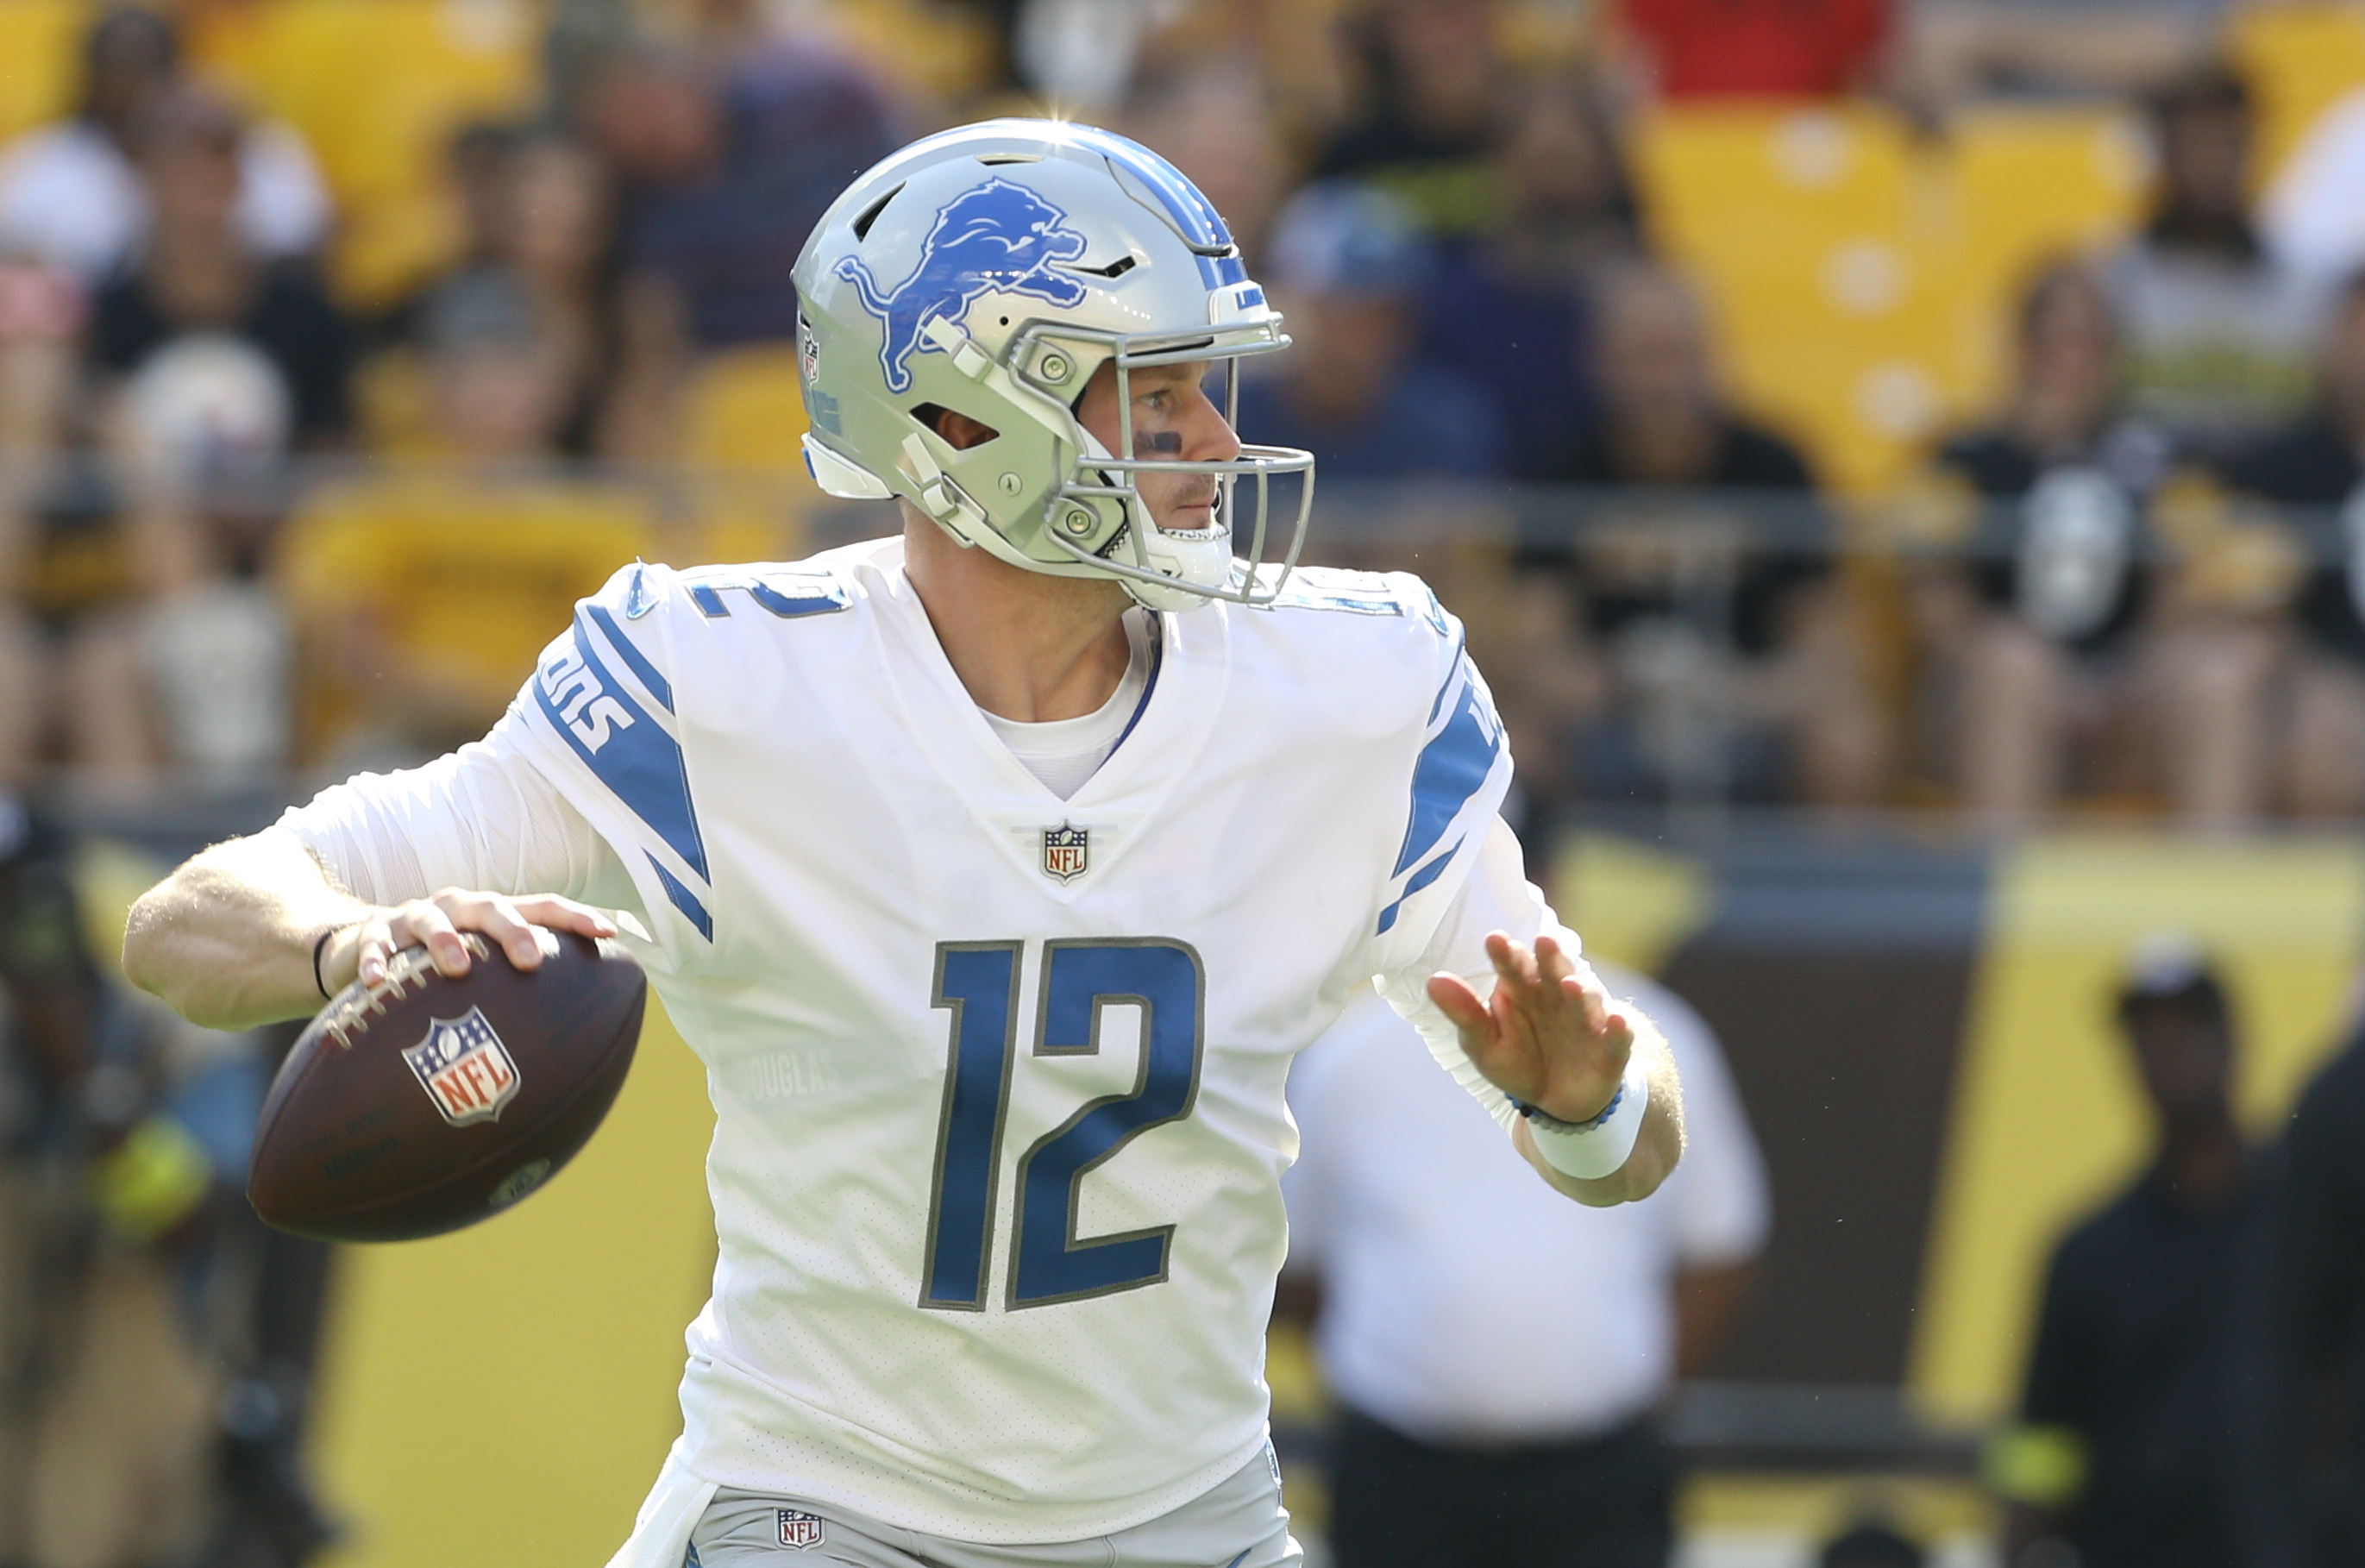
[(253, 931)]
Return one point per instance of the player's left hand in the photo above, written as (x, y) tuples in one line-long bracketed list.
[(1542, 1037)]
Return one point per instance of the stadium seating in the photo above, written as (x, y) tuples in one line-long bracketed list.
[(448, 582), (378, 87), (39, 45), (1862, 277), (1803, 226)]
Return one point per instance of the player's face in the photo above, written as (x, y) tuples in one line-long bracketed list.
[(1172, 417)]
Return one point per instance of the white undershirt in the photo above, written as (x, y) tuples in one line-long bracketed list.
[(1063, 753)]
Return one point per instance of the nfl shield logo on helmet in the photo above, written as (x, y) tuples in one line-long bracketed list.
[(1067, 851), (800, 1530), (464, 1068)]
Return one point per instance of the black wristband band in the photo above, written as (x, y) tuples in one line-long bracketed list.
[(320, 945)]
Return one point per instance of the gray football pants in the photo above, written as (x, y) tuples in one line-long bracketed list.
[(1238, 1524)]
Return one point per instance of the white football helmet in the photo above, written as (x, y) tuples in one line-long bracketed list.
[(990, 271)]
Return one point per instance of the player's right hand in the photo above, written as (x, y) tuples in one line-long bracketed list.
[(436, 922)]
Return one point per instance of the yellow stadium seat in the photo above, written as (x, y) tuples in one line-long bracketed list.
[(424, 592), (379, 86), (744, 409), (2298, 58), (2029, 184), (40, 48), (743, 416), (1807, 228)]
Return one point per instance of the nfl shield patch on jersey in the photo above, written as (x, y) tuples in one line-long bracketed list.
[(1067, 851), (464, 1069), (800, 1530)]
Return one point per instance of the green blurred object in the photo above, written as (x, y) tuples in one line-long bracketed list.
[(148, 1183), (2041, 1465)]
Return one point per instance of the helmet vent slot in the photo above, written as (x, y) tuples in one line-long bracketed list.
[(1115, 269), (869, 215), (932, 415), (995, 160)]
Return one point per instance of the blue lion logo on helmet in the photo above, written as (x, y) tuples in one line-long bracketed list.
[(998, 238)]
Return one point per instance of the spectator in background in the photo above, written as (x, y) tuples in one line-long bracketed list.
[(72, 194), (1813, 48), (424, 591), (194, 673), (2301, 1440), (1427, 126), (2218, 336), (2319, 462), (1729, 639), (1499, 1361), (477, 169), (1353, 267), (723, 176), (546, 232), (42, 312), (2059, 652), (1505, 308), (197, 273), (2123, 1451)]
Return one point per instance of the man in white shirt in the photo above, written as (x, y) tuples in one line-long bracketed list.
[(70, 194), (993, 1284), (1499, 1360)]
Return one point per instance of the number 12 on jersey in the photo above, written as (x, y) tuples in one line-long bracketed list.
[(978, 982)]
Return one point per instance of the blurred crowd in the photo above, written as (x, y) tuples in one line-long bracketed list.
[(275, 493), (303, 457)]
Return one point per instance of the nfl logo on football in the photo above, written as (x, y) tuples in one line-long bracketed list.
[(800, 1530), (464, 1069), (1066, 851)]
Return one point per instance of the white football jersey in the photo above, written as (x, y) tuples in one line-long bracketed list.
[(998, 1076)]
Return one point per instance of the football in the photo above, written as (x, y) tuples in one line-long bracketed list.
[(424, 1104)]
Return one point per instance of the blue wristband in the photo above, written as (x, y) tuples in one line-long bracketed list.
[(1536, 1114)]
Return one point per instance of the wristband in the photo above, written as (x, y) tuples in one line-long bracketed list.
[(1590, 1150), (320, 947)]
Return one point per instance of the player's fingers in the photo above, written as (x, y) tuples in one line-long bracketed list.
[(1513, 962), (565, 914), (423, 923), (1455, 998), (1553, 961), (374, 949), (498, 918)]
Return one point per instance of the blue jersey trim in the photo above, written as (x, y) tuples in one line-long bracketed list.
[(638, 762), (1157, 658), (683, 899), (1420, 879), (826, 597), (1453, 767), (658, 687)]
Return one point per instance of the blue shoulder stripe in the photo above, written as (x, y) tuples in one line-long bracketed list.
[(634, 660), (683, 899), (627, 750), (1420, 879), (1453, 767)]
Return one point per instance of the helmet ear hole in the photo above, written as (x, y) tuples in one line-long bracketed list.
[(956, 429)]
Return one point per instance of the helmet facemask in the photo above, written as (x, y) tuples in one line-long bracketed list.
[(1099, 518)]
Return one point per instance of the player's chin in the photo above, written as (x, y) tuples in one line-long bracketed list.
[(1192, 517)]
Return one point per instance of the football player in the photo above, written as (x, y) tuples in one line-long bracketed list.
[(995, 870)]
